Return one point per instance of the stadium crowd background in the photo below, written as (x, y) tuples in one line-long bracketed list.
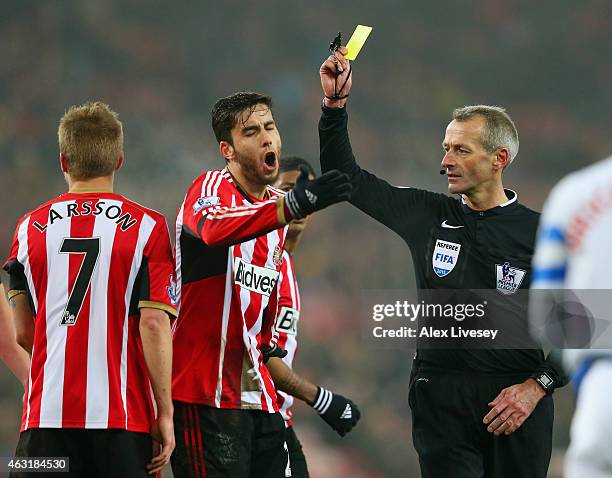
[(161, 65)]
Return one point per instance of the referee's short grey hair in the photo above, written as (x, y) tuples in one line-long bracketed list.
[(499, 130)]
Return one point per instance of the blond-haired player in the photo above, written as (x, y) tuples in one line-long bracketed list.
[(91, 287)]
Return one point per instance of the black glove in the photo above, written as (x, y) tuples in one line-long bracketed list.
[(272, 351), (339, 412), (309, 196)]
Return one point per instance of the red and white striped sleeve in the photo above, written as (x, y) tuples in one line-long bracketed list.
[(210, 213), (157, 281)]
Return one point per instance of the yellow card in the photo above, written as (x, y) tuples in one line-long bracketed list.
[(355, 44)]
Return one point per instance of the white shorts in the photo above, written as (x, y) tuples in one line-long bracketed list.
[(590, 451)]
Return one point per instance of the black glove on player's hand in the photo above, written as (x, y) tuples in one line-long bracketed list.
[(269, 351), (339, 412), (309, 196)]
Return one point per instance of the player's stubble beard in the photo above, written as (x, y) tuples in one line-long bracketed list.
[(250, 170)]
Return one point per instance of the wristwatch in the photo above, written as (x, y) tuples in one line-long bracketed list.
[(547, 383)]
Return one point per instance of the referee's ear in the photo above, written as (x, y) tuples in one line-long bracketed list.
[(502, 159)]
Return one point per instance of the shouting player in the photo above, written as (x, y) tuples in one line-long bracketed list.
[(338, 412), (90, 284), (229, 241)]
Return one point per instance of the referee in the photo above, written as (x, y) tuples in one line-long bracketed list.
[(476, 413)]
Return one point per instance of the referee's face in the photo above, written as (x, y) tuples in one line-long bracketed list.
[(469, 167)]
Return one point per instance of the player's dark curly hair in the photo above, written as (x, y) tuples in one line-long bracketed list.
[(226, 112), (293, 163)]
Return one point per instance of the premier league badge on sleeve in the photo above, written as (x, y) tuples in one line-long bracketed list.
[(172, 290), (445, 257), (508, 278), (205, 202)]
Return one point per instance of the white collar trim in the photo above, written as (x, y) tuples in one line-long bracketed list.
[(504, 204)]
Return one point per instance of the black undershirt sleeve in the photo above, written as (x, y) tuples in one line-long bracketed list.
[(17, 278)]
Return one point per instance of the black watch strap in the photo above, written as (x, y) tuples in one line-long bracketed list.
[(545, 381)]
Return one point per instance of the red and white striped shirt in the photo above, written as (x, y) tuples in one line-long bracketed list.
[(286, 326), (88, 262), (228, 255)]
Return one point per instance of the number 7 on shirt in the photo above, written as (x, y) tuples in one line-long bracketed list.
[(91, 248)]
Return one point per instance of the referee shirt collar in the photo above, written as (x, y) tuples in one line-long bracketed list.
[(502, 208)]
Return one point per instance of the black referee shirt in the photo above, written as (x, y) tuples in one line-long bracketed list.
[(452, 246)]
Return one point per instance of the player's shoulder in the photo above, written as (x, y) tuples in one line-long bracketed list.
[(210, 178), (46, 205), (154, 214), (273, 192), (214, 183), (586, 179), (578, 187)]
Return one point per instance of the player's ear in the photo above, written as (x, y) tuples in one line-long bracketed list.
[(63, 162), (502, 159), (120, 162), (226, 150)]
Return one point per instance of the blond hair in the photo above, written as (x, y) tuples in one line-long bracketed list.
[(91, 138)]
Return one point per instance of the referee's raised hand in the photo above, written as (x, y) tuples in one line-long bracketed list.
[(336, 79)]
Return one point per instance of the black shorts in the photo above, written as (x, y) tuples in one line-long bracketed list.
[(296, 455), (451, 439), (91, 453), (228, 443)]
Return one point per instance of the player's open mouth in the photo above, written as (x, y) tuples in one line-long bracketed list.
[(270, 160)]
